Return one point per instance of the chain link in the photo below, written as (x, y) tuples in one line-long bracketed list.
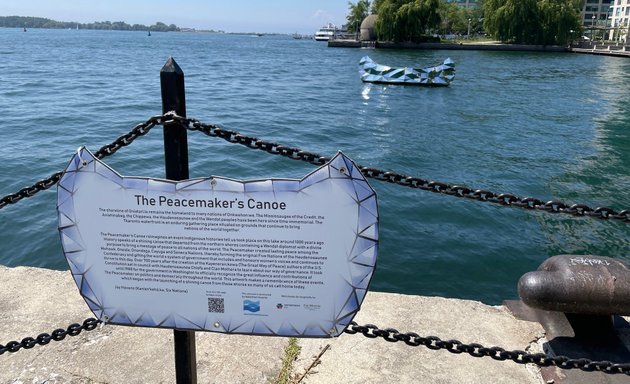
[(389, 334), (477, 350), (371, 331), (505, 199), (30, 191), (128, 138), (124, 140), (45, 338)]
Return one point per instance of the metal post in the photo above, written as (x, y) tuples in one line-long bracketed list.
[(175, 136), (468, 34), (176, 164)]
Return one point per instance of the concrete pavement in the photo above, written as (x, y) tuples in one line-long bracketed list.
[(33, 301)]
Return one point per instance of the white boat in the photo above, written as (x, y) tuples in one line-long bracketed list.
[(326, 32)]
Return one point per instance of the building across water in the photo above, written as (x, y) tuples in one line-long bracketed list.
[(465, 3), (602, 19), (606, 19), (619, 20)]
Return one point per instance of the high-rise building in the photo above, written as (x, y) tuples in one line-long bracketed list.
[(596, 12), (619, 20), (596, 17)]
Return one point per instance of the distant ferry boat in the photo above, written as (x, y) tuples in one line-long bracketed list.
[(326, 32)]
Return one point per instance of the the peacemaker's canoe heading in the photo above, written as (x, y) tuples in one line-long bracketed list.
[(439, 76)]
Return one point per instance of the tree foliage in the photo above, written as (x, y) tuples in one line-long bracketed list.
[(545, 22), (40, 22), (406, 20), (459, 20), (358, 12)]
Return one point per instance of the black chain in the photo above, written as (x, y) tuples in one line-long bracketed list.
[(388, 334), (128, 138), (478, 350), (371, 331), (45, 338), (505, 199), (110, 149)]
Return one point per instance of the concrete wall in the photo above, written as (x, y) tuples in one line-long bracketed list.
[(35, 300)]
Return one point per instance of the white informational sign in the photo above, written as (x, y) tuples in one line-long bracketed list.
[(268, 257)]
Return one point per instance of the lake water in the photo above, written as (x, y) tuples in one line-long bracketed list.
[(547, 125)]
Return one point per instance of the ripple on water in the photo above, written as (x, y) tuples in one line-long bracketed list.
[(552, 126)]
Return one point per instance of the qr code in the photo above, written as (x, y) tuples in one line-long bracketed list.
[(216, 304)]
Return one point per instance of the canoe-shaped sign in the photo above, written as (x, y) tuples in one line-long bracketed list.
[(268, 257)]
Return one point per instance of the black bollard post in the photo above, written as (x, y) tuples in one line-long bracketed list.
[(175, 136), (176, 164)]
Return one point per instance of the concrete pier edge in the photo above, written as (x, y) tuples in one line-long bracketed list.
[(36, 300), (592, 49)]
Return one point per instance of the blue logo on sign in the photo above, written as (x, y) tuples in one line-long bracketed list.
[(251, 306)]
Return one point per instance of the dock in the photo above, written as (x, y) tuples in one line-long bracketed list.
[(489, 46), (618, 50)]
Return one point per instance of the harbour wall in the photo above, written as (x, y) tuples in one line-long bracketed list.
[(584, 48), (450, 46)]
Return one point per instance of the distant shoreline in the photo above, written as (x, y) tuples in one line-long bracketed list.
[(181, 30), (27, 22)]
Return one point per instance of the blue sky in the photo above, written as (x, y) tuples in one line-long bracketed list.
[(282, 16)]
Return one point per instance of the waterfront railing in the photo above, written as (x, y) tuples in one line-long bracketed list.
[(176, 125)]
